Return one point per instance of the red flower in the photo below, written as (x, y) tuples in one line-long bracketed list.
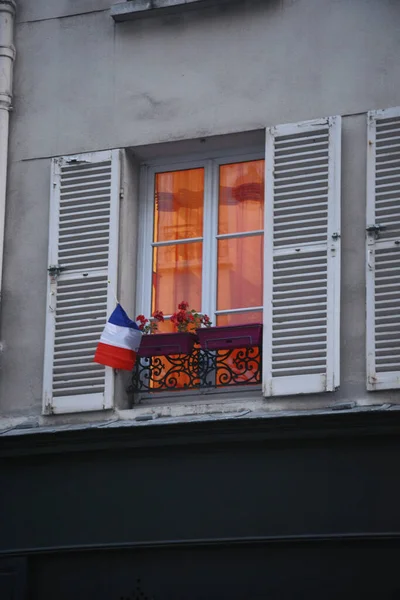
[(158, 315), (141, 318), (183, 305)]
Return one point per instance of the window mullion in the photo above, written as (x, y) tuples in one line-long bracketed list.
[(240, 234), (145, 239), (239, 310), (176, 242), (209, 274)]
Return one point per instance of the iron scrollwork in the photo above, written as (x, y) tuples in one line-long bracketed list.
[(202, 369)]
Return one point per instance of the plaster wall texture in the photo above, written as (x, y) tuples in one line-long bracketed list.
[(86, 83)]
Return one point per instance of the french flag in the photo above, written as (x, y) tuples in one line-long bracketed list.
[(119, 342)]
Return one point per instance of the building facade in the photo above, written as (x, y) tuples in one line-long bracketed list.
[(243, 157)]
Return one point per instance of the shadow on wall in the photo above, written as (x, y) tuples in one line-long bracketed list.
[(213, 11)]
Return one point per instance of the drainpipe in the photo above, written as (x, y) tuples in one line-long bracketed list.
[(7, 55)]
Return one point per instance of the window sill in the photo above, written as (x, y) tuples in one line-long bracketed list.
[(135, 9), (212, 406), (193, 403)]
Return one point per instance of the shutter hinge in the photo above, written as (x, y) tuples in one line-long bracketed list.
[(48, 405), (121, 194), (375, 229), (75, 161), (335, 236), (55, 270)]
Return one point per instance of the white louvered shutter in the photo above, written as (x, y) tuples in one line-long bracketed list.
[(302, 258), (383, 250), (84, 210)]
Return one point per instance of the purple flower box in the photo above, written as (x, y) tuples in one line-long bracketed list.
[(230, 336), (164, 344)]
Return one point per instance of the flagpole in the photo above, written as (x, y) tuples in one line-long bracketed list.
[(113, 292)]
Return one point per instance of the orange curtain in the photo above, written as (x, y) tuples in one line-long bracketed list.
[(178, 215), (240, 259)]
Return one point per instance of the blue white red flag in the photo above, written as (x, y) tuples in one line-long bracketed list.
[(119, 341)]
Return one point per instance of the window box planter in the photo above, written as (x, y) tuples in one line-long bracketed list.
[(164, 344), (230, 336)]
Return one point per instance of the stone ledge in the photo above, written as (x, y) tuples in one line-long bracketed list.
[(258, 427), (134, 9)]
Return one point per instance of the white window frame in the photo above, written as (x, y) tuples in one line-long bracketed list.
[(211, 164)]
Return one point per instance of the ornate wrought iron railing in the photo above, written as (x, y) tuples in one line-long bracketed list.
[(202, 369)]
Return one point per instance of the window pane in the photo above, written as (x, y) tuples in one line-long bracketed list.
[(166, 327), (253, 316), (178, 212), (177, 276), (240, 272), (241, 197)]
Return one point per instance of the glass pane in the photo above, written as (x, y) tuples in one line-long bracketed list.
[(241, 197), (166, 327), (253, 316), (178, 206), (177, 276), (240, 272)]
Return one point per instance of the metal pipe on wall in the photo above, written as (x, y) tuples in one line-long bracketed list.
[(7, 55)]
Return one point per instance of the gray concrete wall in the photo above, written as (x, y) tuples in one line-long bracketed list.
[(84, 83), (206, 72)]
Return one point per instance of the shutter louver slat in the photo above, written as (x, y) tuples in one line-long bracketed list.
[(301, 262), (383, 250), (83, 235)]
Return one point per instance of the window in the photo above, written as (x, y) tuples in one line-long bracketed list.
[(207, 235), (204, 240)]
